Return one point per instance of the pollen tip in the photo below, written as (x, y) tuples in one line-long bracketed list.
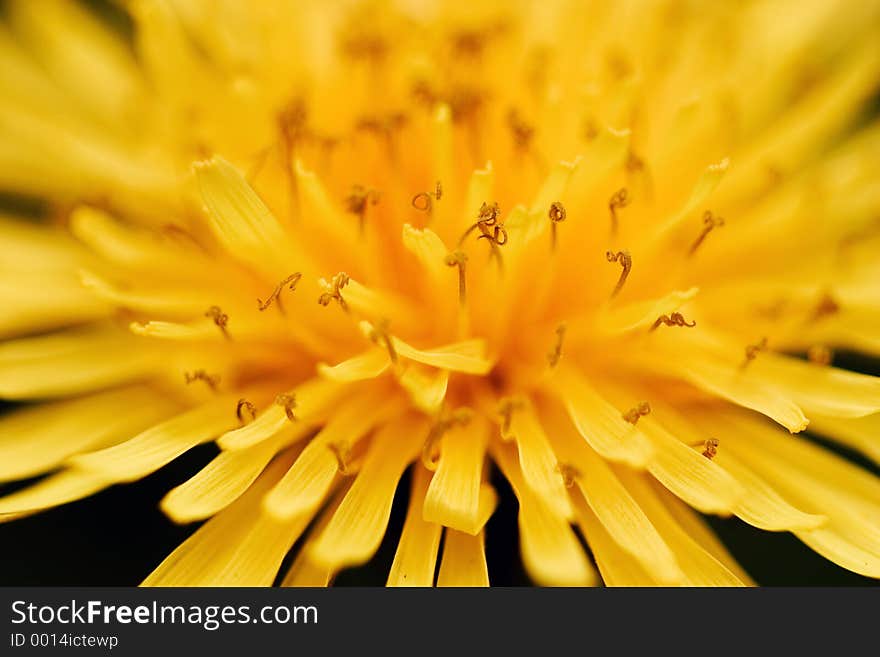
[(632, 415), (569, 473)]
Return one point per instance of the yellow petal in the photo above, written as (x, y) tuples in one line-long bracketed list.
[(538, 460), (464, 560), (699, 481), (824, 390), (240, 546), (467, 356), (618, 513), (706, 184), (862, 433), (550, 550), (700, 567), (416, 555), (171, 301), (643, 314), (617, 567), (306, 484), (72, 362), (760, 504), (312, 399), (453, 497), (600, 423), (150, 450), (367, 365), (223, 480), (740, 386), (35, 439), (428, 249), (304, 571), (356, 529), (426, 389), (65, 486), (241, 221)]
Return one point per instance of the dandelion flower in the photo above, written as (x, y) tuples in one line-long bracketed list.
[(605, 249)]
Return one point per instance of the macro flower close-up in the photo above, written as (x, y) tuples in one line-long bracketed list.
[(615, 265)]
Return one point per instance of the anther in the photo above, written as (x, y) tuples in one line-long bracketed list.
[(590, 129), (820, 354), (291, 281), (710, 448), (625, 260), (490, 228), (753, 350), (288, 402), (212, 380), (620, 199), (569, 473), (220, 318), (357, 200), (522, 131), (557, 215), (827, 305), (245, 405), (632, 415), (424, 201), (556, 353), (506, 407), (675, 319), (380, 335), (710, 222), (338, 282), (430, 454), (459, 259), (634, 162)]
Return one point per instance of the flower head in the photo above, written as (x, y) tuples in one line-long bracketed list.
[(583, 245)]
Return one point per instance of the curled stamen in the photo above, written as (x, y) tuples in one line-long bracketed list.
[(220, 318), (820, 354), (357, 200), (625, 260), (245, 405), (292, 280), (710, 222), (557, 215), (570, 474), (753, 350), (506, 407), (424, 201), (632, 415), (288, 402), (430, 455), (556, 353), (488, 225), (619, 199), (338, 282), (710, 448), (381, 336), (213, 380), (459, 259), (675, 319)]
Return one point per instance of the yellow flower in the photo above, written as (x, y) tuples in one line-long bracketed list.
[(582, 244)]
